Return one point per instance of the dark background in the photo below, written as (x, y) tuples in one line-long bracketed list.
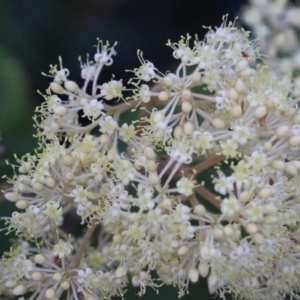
[(34, 33)]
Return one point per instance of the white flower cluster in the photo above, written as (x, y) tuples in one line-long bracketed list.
[(143, 208)]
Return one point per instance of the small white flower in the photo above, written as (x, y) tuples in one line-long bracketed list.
[(112, 89), (185, 186), (230, 207), (93, 109), (108, 125)]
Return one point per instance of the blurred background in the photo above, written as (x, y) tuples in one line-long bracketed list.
[(34, 33)]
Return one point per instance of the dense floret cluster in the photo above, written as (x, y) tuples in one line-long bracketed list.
[(147, 207)]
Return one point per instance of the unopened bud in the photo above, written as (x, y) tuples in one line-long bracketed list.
[(61, 110), (186, 94), (186, 107), (163, 96), (260, 112), (22, 204), (183, 250), (217, 123), (71, 86), (281, 131), (188, 127), (193, 275), (56, 88)]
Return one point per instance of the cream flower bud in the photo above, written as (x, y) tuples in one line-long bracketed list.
[(186, 107), (166, 204), (153, 179), (240, 86), (151, 166), (57, 277), (50, 182), (65, 285), (196, 77), (217, 123), (50, 293), (270, 209), (258, 238), (296, 119), (186, 94), (203, 269), (117, 239), (236, 111), (251, 228), (278, 165), (22, 204), (183, 250), (281, 131), (233, 94), (37, 186), (158, 116), (218, 233), (188, 127), (178, 132), (212, 281), (133, 217), (69, 176), (244, 196), (290, 169), (270, 220), (204, 252), (264, 193), (61, 110), (37, 276), (56, 88), (246, 73), (267, 146), (260, 112), (67, 160), (19, 290), (163, 96), (294, 141), (193, 275), (150, 153), (104, 138), (120, 272), (84, 101), (199, 210), (12, 196), (168, 81), (228, 231), (10, 284), (39, 259), (71, 86)]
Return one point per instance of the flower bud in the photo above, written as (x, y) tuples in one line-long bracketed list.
[(19, 290), (294, 141), (178, 131), (57, 277), (151, 166), (37, 276), (260, 112), (281, 131), (120, 272), (71, 86), (233, 94), (240, 86), (193, 275), (188, 127), (56, 88), (150, 153), (61, 110), (117, 239), (196, 77), (186, 94), (217, 123), (50, 293), (203, 269), (153, 179), (50, 182), (236, 111), (183, 250), (163, 96), (65, 285), (67, 160), (22, 204), (199, 210), (186, 107), (104, 138), (39, 259), (12, 196)]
